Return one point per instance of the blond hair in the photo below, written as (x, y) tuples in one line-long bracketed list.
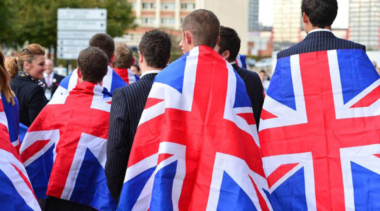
[(4, 81), (123, 56)]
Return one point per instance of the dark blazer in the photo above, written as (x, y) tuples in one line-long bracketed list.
[(254, 88), (31, 98), (54, 84), (127, 106), (319, 41)]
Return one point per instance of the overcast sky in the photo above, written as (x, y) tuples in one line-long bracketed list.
[(266, 13)]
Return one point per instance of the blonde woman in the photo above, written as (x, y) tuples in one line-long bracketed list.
[(27, 84)]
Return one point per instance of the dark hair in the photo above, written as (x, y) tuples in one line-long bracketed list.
[(138, 68), (204, 26), (104, 42), (155, 46), (93, 64), (123, 56), (229, 41), (321, 13)]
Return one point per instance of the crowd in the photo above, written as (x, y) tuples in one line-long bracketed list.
[(96, 137)]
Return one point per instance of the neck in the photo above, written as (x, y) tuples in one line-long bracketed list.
[(146, 69), (316, 27)]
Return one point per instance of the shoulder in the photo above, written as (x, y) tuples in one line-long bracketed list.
[(30, 86), (59, 77)]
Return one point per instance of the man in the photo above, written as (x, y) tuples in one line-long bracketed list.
[(136, 69), (128, 104), (228, 48), (111, 80), (194, 147), (64, 150), (51, 79), (123, 60), (320, 121)]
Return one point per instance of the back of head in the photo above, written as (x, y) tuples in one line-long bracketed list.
[(155, 46), (204, 26), (123, 56), (321, 13), (104, 42), (93, 64), (11, 66), (229, 41), (4, 81)]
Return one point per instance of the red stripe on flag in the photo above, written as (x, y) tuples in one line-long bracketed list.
[(35, 147), (162, 157), (263, 204), (266, 115), (25, 179), (151, 102), (248, 117), (279, 173), (369, 99)]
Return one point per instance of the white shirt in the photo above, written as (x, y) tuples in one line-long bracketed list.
[(49, 78), (149, 72), (320, 30)]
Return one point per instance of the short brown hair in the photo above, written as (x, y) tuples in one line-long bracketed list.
[(123, 56), (104, 42), (93, 64), (155, 46), (204, 26)]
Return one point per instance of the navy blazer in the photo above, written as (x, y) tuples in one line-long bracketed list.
[(319, 41)]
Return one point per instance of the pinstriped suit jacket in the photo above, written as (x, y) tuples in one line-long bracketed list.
[(319, 41), (127, 106)]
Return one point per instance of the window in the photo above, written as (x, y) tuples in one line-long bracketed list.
[(167, 21), (148, 21), (168, 6), (187, 6), (150, 5)]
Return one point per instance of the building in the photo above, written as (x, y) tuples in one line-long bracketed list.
[(364, 23), (253, 15), (168, 15), (287, 23)]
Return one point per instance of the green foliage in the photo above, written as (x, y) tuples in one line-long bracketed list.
[(9, 22)]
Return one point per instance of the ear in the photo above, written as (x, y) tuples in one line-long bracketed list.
[(27, 65), (226, 54), (305, 19), (189, 38), (141, 58)]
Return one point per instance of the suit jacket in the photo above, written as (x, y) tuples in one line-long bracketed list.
[(254, 88), (31, 98), (54, 84), (127, 106), (319, 41)]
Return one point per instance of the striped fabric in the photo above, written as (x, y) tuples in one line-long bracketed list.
[(319, 41)]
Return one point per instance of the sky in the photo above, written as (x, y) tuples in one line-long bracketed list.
[(266, 13)]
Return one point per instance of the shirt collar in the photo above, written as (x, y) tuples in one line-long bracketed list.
[(149, 72), (320, 30), (232, 63)]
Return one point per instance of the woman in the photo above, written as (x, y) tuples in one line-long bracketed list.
[(27, 84), (9, 103)]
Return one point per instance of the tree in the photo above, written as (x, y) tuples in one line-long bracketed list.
[(10, 22)]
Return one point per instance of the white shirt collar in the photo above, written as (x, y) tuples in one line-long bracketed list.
[(149, 72), (320, 30), (232, 63)]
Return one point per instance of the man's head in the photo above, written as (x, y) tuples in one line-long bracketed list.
[(154, 50), (105, 43), (318, 13), (263, 75), (136, 69), (229, 44), (48, 66), (92, 64), (201, 27), (123, 56)]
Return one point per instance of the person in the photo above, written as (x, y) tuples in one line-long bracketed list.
[(196, 138), (123, 60), (128, 104), (27, 85), (51, 79), (74, 179), (11, 66), (264, 79), (136, 69), (229, 47), (111, 80), (10, 103), (322, 113)]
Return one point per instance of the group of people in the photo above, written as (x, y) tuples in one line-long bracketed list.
[(144, 134)]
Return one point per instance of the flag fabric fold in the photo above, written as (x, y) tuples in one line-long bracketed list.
[(196, 147), (64, 150)]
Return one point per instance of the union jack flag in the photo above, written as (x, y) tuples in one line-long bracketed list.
[(64, 150), (126, 74), (196, 147), (320, 132), (111, 81), (241, 61), (11, 121), (16, 193)]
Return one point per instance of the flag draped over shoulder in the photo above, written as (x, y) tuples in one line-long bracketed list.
[(111, 81), (16, 193), (196, 147), (64, 150), (320, 132), (126, 74), (241, 61)]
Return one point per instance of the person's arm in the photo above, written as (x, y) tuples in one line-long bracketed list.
[(37, 101), (117, 145)]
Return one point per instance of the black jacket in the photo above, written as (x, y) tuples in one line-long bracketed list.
[(254, 88), (54, 84), (127, 106), (31, 98)]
